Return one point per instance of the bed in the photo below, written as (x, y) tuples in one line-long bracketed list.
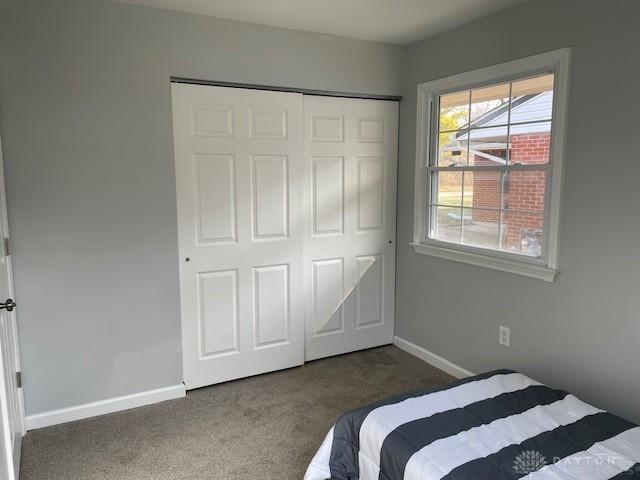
[(498, 425)]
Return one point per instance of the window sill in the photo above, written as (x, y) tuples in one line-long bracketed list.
[(489, 261)]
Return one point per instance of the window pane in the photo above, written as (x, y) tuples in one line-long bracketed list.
[(523, 233), (488, 146), (449, 188), (481, 228), (533, 86), (451, 150), (532, 99), (454, 111), (483, 190), (530, 143), (490, 105), (448, 224), (525, 190)]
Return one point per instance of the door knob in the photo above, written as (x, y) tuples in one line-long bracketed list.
[(9, 305)]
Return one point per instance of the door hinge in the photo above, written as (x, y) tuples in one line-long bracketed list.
[(19, 379), (7, 252)]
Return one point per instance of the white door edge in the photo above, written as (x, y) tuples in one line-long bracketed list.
[(11, 409)]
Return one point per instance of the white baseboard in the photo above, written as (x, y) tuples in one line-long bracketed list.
[(103, 407), (431, 358)]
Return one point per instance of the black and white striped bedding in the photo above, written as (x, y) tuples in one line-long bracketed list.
[(499, 425)]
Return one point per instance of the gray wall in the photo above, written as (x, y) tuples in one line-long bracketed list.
[(86, 127), (85, 121), (581, 332)]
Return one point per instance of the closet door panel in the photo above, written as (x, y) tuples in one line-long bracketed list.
[(350, 177), (239, 176)]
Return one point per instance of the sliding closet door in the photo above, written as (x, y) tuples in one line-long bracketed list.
[(239, 170), (350, 172)]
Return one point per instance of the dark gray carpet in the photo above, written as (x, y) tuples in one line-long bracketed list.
[(266, 427)]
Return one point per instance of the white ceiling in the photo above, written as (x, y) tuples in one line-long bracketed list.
[(392, 21)]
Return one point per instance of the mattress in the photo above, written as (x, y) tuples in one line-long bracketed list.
[(498, 425)]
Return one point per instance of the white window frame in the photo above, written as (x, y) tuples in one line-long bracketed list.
[(546, 268)]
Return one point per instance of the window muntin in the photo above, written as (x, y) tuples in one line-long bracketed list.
[(489, 170)]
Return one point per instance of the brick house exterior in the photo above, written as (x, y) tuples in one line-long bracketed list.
[(523, 190)]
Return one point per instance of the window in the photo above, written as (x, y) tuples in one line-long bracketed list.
[(489, 164)]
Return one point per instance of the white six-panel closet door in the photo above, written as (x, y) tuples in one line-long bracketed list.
[(239, 178), (350, 195), (284, 206)]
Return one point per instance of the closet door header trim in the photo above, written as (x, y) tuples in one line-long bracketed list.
[(304, 91)]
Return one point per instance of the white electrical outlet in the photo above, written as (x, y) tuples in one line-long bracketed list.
[(504, 336)]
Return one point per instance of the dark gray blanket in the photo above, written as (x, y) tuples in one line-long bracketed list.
[(498, 425)]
